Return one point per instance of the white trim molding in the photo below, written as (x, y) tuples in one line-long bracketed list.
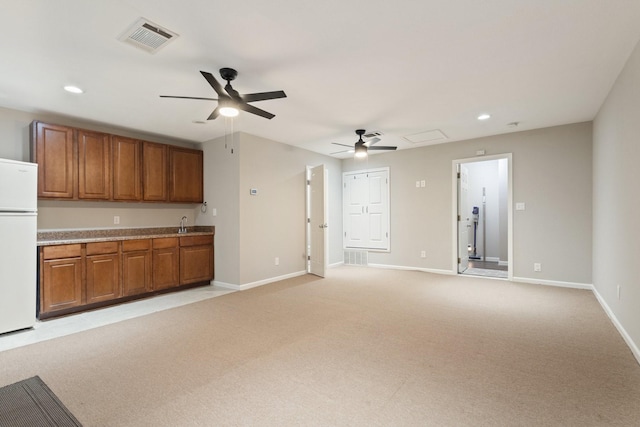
[(625, 336), (557, 283), (259, 282), (425, 270)]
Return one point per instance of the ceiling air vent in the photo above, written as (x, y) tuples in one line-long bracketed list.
[(147, 36), (372, 134), (428, 136)]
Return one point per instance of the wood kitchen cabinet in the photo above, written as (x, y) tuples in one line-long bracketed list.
[(61, 277), (94, 165), (196, 259), (185, 175), (103, 272), (79, 164), (154, 172), (166, 263), (127, 165), (136, 266), (78, 276), (52, 147)]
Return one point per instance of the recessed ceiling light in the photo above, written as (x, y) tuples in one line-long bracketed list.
[(73, 89), (484, 116)]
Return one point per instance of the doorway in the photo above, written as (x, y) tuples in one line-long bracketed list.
[(483, 223)]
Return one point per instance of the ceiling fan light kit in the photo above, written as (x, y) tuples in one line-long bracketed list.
[(361, 147), (230, 101)]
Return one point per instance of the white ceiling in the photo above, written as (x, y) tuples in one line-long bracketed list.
[(400, 67)]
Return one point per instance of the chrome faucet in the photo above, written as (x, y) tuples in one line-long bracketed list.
[(183, 228)]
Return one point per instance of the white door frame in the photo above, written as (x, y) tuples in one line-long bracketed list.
[(454, 207)]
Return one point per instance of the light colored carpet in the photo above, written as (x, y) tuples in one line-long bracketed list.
[(363, 347)]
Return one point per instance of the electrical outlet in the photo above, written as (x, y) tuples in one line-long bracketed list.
[(277, 261), (537, 266), (423, 183), (116, 219), (423, 254), (214, 212)]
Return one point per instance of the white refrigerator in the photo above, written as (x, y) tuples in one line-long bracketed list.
[(18, 248)]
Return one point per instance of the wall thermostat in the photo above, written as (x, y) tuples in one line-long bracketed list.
[(253, 191)]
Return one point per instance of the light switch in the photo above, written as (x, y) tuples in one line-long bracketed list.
[(417, 184), (520, 206), (214, 212)]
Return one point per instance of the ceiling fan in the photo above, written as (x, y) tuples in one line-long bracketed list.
[(229, 100), (361, 147)]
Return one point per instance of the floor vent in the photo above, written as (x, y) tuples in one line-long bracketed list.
[(356, 257), (147, 36)]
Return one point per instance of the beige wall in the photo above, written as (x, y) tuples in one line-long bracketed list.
[(14, 144), (616, 200), (272, 223), (551, 174)]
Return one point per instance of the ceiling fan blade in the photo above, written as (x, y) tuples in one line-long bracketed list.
[(188, 97), (263, 96), (232, 92), (343, 151), (372, 141), (254, 110), (382, 147), (344, 145), (213, 82), (214, 114)]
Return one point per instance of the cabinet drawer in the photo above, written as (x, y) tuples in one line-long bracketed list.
[(136, 245), (102, 248), (165, 242), (196, 240), (62, 251)]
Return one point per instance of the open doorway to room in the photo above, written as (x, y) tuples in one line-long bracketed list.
[(483, 216)]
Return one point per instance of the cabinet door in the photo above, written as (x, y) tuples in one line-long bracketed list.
[(185, 175), (154, 172), (165, 268), (94, 165), (103, 277), (196, 264), (61, 284), (136, 272), (127, 182), (53, 151)]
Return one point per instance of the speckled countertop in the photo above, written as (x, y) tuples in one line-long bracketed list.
[(48, 238)]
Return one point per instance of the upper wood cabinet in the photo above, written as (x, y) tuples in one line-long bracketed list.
[(94, 165), (78, 164), (154, 169), (127, 163), (52, 148), (185, 175)]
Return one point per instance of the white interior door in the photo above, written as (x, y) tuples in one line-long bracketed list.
[(464, 223), (318, 220)]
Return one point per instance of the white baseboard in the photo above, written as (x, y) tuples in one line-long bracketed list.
[(503, 263), (401, 267), (336, 264), (492, 259), (632, 345), (259, 282), (553, 283)]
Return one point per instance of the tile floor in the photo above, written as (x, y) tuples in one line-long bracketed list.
[(67, 325)]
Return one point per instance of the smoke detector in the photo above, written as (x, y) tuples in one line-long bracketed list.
[(147, 36)]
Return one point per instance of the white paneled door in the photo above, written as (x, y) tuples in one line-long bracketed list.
[(366, 209), (318, 220)]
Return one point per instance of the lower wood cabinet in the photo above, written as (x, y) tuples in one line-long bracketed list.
[(166, 265), (103, 272), (76, 276), (61, 277), (196, 259), (136, 267)]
